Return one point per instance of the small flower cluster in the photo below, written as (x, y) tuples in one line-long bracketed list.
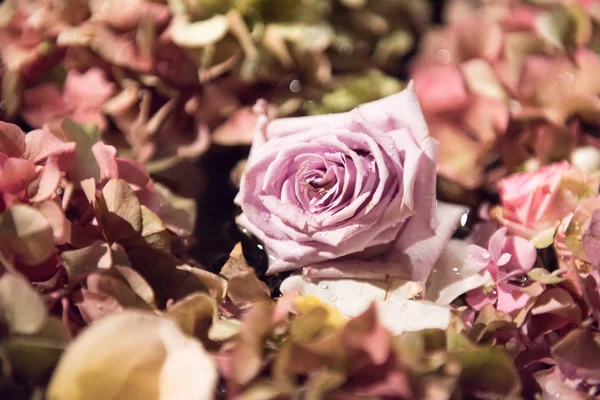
[(508, 82), (163, 80)]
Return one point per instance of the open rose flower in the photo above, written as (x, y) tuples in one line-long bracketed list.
[(506, 259), (348, 195), (533, 203)]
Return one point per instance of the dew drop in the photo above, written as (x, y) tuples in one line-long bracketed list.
[(333, 298), (514, 106), (323, 286), (463, 219), (404, 307), (59, 191), (260, 246), (523, 280), (308, 105), (295, 86), (433, 223), (443, 56)]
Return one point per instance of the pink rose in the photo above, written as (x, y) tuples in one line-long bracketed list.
[(348, 195), (534, 203)]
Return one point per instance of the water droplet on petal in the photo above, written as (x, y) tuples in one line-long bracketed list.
[(464, 218), (260, 246), (514, 106), (404, 307), (433, 223), (333, 298), (323, 286), (443, 56), (295, 86)]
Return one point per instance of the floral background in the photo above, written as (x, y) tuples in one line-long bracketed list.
[(280, 199)]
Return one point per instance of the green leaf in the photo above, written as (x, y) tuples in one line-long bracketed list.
[(544, 276), (544, 238)]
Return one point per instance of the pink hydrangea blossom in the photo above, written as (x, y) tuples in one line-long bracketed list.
[(505, 259), (81, 99)]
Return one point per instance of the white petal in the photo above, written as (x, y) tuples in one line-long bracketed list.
[(453, 275), (352, 297)]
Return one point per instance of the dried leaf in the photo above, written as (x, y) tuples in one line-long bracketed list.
[(200, 33), (25, 231), (21, 308)]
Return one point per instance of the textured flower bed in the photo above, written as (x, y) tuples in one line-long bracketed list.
[(277, 199)]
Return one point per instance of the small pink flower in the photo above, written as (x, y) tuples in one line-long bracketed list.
[(534, 203), (81, 99), (440, 88), (506, 258)]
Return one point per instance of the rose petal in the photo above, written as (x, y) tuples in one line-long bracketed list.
[(353, 297)]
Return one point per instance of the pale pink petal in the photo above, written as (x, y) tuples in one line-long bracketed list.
[(42, 144), (503, 260), (42, 104), (496, 244), (48, 181), (87, 93), (510, 298), (479, 255), (105, 156), (452, 276), (440, 88), (408, 260), (15, 175), (12, 140), (477, 298), (523, 253)]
